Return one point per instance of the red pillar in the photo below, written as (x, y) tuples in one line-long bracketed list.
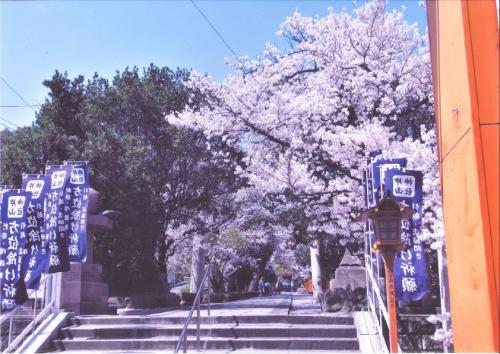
[(388, 257)]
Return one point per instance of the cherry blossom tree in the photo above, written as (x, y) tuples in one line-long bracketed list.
[(307, 116), (235, 232)]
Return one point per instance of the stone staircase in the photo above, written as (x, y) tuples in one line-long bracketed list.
[(220, 332)]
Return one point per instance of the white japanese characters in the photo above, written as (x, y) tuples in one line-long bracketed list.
[(57, 179), (12, 242), (77, 175), (75, 210), (15, 207), (35, 186), (403, 186)]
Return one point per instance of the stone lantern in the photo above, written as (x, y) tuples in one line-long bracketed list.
[(387, 216)]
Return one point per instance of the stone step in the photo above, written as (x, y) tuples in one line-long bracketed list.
[(262, 325), (207, 343), (298, 319), (240, 351), (212, 330)]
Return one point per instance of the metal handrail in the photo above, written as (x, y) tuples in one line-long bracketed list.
[(8, 315), (36, 318), (196, 302), (29, 327)]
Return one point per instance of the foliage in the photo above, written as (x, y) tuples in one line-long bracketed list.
[(142, 166)]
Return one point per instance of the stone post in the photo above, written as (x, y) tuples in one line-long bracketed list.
[(197, 267), (315, 268)]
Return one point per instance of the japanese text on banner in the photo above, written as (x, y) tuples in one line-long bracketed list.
[(36, 260), (56, 220), (410, 268), (76, 198), (13, 237)]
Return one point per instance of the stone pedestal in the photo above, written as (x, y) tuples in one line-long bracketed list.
[(81, 290), (349, 273)]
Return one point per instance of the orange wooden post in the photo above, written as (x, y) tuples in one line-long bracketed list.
[(387, 214), (388, 256), (464, 44)]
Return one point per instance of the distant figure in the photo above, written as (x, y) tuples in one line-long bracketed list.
[(261, 286), (267, 288), (279, 286)]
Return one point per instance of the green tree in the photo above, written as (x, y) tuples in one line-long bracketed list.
[(152, 172)]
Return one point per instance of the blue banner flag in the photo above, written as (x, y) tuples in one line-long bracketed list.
[(366, 190), (410, 268), (370, 195), (13, 237), (374, 178), (374, 154), (4, 187), (54, 223), (76, 200), (36, 259), (378, 168)]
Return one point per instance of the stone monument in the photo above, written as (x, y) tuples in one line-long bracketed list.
[(347, 290), (349, 273), (82, 290)]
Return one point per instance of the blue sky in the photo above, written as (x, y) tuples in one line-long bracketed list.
[(83, 37)]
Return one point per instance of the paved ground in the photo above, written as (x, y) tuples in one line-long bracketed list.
[(282, 304), (304, 305), (219, 352)]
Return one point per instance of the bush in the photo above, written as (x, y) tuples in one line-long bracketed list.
[(345, 300), (143, 301), (187, 298), (215, 298), (239, 296)]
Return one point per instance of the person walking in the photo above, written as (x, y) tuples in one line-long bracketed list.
[(268, 289), (279, 286), (261, 286)]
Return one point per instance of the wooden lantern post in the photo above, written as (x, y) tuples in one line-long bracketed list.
[(387, 216)]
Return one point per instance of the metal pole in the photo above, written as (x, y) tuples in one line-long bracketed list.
[(198, 301), (10, 329), (1, 158), (388, 256), (209, 286), (444, 293), (45, 293), (34, 305), (34, 308), (185, 342), (48, 289)]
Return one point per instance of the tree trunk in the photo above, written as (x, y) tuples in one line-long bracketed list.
[(316, 269), (254, 284), (217, 279)]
